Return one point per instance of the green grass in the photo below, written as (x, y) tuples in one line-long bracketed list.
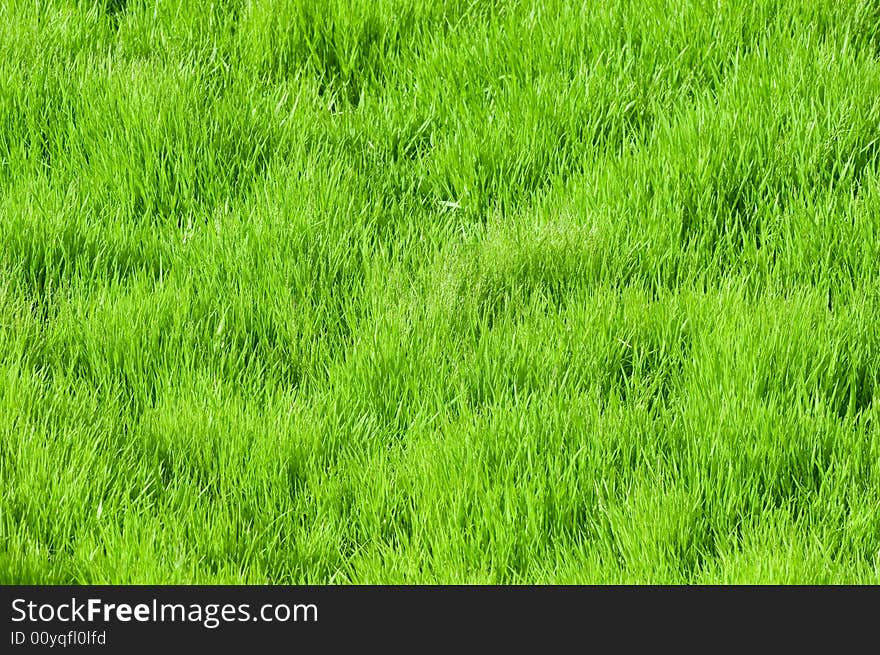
[(464, 291)]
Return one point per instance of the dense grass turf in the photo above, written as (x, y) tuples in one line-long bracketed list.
[(461, 291)]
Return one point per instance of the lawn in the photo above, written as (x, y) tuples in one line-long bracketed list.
[(460, 291)]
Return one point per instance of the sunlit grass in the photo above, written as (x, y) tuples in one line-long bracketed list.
[(462, 291)]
